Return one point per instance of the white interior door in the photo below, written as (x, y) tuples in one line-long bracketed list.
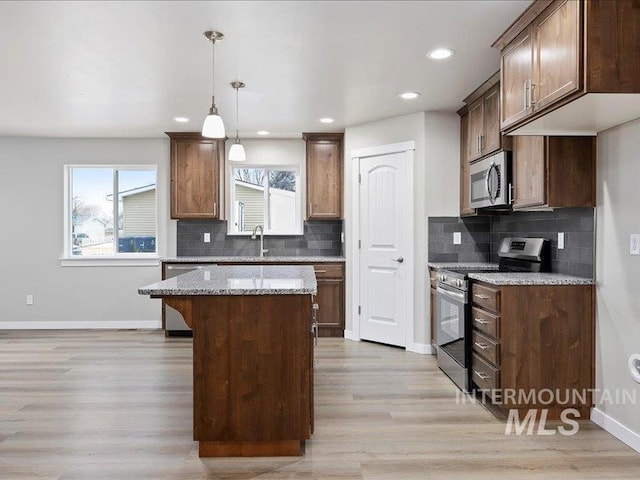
[(386, 236)]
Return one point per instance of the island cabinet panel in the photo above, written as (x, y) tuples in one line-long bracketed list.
[(324, 175), (252, 369), (195, 176)]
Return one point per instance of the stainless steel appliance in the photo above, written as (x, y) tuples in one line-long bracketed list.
[(173, 322), (453, 307), (490, 182)]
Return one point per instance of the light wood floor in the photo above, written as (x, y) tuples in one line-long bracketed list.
[(117, 405)]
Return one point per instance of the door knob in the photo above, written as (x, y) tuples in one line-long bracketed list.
[(399, 259)]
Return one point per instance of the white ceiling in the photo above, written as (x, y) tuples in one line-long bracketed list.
[(126, 69)]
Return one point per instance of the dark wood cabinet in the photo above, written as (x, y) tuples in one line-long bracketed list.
[(324, 175), (559, 50), (483, 134), (330, 299), (465, 180), (533, 338), (553, 171), (195, 175)]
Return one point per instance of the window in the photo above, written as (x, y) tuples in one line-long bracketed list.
[(267, 196), (110, 211)]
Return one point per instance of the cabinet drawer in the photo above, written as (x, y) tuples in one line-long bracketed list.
[(486, 322), (484, 346), (484, 375), (485, 296), (328, 270)]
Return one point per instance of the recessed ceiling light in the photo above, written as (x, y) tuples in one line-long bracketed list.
[(262, 133), (181, 119), (326, 120), (440, 53), (409, 95)]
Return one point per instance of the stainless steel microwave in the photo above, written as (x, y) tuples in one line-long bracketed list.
[(490, 181)]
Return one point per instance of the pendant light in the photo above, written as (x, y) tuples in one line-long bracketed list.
[(213, 126), (236, 153)]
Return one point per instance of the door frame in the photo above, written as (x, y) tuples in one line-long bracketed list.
[(408, 149)]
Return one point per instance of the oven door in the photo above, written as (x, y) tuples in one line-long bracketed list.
[(450, 323)]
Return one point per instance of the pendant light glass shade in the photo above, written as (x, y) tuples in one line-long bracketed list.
[(236, 152), (213, 127)]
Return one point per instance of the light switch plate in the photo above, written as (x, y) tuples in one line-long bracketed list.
[(457, 238), (634, 244), (560, 240), (207, 238)]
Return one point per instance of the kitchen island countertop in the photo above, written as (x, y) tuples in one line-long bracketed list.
[(238, 280)]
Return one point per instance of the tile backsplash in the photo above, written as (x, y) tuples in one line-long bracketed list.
[(481, 237), (320, 238)]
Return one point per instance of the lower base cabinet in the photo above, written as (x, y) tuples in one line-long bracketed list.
[(533, 347)]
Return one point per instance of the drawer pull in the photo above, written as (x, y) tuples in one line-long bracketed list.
[(481, 375), (483, 346), (320, 271), (482, 297), (481, 321)]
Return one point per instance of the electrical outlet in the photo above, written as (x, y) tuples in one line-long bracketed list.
[(457, 238), (560, 240), (29, 299), (634, 244), (207, 237)]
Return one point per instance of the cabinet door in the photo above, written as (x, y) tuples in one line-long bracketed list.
[(330, 299), (324, 179), (515, 73), (475, 129), (490, 141), (529, 171), (465, 198), (556, 35), (194, 179)]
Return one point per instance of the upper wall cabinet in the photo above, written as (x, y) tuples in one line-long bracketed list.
[(557, 52), (324, 175), (553, 171), (195, 175), (465, 180), (483, 121)]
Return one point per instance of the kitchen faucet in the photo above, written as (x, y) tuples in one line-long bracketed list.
[(253, 237)]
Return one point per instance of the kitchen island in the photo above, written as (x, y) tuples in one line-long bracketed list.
[(252, 356)]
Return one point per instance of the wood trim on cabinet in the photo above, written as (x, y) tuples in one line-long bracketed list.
[(519, 24), (482, 89)]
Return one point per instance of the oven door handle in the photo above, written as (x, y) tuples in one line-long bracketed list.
[(450, 293)]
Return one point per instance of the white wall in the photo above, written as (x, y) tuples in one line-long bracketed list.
[(617, 272), (31, 242), (436, 179)]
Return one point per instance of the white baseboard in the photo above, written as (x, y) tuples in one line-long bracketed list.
[(615, 428), (422, 348), (349, 335), (84, 325)]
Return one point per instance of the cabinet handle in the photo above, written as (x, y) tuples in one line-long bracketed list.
[(481, 297), (310, 209), (481, 375), (215, 209), (481, 321), (525, 94), (483, 346), (481, 143), (320, 271), (532, 85)]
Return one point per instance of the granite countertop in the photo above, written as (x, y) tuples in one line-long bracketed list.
[(464, 265), (252, 259), (238, 280), (528, 278)]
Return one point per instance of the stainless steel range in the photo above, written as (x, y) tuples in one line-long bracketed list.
[(453, 308)]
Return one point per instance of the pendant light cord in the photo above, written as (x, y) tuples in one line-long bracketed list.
[(237, 112), (213, 69)]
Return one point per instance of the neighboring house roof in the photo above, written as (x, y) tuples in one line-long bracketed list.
[(260, 187), (134, 191)]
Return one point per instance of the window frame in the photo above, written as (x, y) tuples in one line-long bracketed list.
[(125, 259), (267, 168)]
